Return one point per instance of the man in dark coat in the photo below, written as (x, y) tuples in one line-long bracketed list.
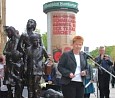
[(103, 77)]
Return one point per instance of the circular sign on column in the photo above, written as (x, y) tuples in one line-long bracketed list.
[(60, 5)]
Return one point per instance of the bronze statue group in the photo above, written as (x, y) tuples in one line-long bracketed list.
[(24, 61)]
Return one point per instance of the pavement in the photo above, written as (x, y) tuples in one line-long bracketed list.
[(112, 92), (94, 95)]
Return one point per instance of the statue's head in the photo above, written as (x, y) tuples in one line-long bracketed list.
[(10, 31), (31, 24), (35, 39)]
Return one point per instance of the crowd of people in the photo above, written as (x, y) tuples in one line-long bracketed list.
[(27, 61)]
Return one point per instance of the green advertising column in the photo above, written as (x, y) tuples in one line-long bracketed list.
[(61, 26)]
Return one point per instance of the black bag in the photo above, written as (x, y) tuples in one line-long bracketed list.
[(50, 93)]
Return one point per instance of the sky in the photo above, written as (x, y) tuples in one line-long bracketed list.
[(95, 20)]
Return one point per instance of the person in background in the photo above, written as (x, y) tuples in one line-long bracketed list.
[(73, 68), (103, 60), (52, 75), (89, 78), (113, 72), (56, 75), (48, 70), (3, 88)]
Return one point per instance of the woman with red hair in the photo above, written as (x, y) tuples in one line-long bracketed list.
[(73, 67)]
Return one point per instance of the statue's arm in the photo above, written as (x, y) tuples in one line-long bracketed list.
[(20, 44), (5, 52), (26, 60), (12, 72), (16, 44), (41, 43)]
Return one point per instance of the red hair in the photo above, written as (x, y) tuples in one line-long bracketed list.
[(78, 38)]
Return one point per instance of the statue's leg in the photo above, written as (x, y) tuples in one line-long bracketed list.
[(10, 94), (18, 90), (6, 75), (30, 87), (37, 88)]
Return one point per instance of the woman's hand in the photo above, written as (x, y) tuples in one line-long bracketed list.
[(71, 75), (83, 73)]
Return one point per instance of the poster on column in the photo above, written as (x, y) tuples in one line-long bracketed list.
[(63, 30)]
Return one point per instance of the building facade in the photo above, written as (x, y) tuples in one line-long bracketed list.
[(3, 38)]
